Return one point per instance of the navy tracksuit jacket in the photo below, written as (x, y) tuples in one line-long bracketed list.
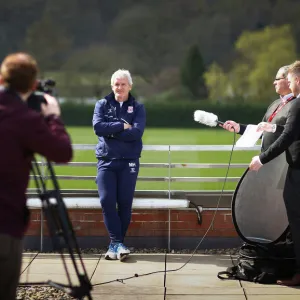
[(118, 153)]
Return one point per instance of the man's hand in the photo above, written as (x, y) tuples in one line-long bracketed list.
[(255, 164), (127, 126), (264, 126), (51, 108), (231, 126)]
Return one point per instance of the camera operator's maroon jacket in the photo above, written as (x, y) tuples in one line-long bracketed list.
[(23, 132)]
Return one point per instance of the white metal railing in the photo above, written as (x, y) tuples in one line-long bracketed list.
[(167, 165), (178, 147)]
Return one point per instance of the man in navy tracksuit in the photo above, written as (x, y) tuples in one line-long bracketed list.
[(119, 122)]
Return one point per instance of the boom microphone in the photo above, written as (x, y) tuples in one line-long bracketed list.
[(206, 118)]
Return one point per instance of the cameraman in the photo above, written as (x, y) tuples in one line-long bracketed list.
[(23, 132)]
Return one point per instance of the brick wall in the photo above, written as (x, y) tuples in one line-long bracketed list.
[(184, 223)]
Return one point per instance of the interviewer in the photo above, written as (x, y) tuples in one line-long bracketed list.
[(23, 132)]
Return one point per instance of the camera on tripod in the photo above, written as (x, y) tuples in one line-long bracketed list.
[(44, 86)]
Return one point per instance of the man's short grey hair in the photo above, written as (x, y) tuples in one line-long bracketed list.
[(285, 70), (121, 73)]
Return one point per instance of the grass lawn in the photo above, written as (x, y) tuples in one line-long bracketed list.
[(158, 136)]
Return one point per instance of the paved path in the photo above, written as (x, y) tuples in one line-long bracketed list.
[(197, 280)]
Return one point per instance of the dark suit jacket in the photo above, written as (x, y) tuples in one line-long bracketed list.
[(289, 139), (280, 119)]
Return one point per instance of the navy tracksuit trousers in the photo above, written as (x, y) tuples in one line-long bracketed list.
[(116, 180)]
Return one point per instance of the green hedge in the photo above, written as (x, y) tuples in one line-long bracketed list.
[(171, 114)]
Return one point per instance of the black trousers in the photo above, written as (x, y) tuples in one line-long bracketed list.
[(10, 265), (291, 195)]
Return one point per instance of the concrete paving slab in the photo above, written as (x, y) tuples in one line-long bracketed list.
[(187, 280), (145, 258), (205, 297), (27, 278), (45, 267), (193, 290), (27, 258), (25, 263), (199, 264), (36, 268), (128, 290), (273, 297), (128, 297), (136, 264), (128, 267), (206, 261), (54, 255), (151, 280), (273, 291), (247, 284), (57, 259)]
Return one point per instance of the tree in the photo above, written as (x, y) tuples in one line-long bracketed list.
[(192, 72), (144, 35), (96, 58), (217, 83), (48, 42), (91, 68), (80, 19), (261, 54)]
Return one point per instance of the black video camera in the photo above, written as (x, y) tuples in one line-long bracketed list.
[(46, 86), (35, 100)]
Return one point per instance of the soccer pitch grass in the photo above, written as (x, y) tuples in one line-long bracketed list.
[(163, 136)]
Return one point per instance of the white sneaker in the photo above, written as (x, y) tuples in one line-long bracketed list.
[(111, 254), (122, 252)]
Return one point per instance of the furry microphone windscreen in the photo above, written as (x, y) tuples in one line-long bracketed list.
[(206, 118)]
